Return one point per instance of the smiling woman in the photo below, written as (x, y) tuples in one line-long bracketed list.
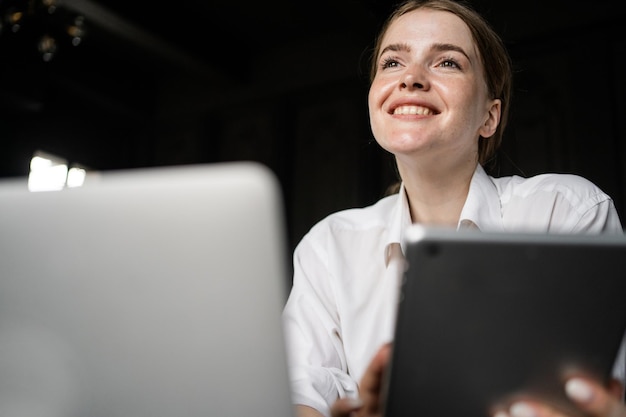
[(487, 52), (438, 102), (439, 82)]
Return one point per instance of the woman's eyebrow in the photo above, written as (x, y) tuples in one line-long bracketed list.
[(438, 47), (396, 47), (443, 47)]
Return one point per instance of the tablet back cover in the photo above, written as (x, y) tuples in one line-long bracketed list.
[(487, 318)]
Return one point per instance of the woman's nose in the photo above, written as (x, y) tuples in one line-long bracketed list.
[(413, 79)]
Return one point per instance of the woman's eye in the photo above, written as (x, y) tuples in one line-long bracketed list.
[(449, 63), (389, 63)]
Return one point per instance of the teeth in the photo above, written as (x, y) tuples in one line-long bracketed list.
[(413, 110)]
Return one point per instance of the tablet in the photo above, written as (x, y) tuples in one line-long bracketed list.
[(488, 318)]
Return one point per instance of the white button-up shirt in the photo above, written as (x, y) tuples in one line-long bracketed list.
[(347, 270)]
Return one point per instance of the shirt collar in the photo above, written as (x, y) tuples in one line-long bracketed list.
[(482, 210), (400, 220)]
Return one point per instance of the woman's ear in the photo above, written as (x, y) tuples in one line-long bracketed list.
[(493, 119)]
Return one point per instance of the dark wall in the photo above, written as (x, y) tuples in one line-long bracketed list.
[(569, 106), (118, 101)]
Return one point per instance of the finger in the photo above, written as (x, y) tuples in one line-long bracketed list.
[(344, 407), (594, 399), (616, 389), (371, 383), (589, 396), (532, 409)]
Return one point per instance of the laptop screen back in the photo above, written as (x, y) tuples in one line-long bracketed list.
[(145, 293)]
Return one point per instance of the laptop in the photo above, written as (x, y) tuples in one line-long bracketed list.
[(489, 318), (152, 292)]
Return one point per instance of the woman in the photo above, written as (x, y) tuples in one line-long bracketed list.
[(438, 101)]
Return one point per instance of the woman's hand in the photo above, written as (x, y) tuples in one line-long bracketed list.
[(592, 398)]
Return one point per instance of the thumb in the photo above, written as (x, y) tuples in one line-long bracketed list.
[(593, 398), (344, 407)]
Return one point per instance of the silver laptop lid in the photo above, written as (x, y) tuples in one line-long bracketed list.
[(146, 293)]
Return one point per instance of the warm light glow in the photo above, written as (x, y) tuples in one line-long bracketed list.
[(50, 173), (51, 178), (47, 46), (76, 177), (47, 172)]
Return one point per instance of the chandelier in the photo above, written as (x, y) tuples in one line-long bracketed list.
[(41, 27)]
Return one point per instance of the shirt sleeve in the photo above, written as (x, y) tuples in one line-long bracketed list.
[(571, 204), (317, 362), (556, 203), (589, 208), (600, 217)]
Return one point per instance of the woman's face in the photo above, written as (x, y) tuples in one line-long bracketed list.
[(428, 97)]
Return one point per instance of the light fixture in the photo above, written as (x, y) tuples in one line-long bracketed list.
[(13, 18), (50, 5), (52, 24), (76, 30), (50, 173), (76, 177), (47, 47), (47, 172)]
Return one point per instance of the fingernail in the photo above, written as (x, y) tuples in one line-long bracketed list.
[(522, 410), (578, 390)]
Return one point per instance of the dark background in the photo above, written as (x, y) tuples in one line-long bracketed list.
[(285, 83)]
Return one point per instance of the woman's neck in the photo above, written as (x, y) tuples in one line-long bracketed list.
[(437, 194)]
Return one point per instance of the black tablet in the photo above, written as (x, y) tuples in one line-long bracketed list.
[(488, 318)]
